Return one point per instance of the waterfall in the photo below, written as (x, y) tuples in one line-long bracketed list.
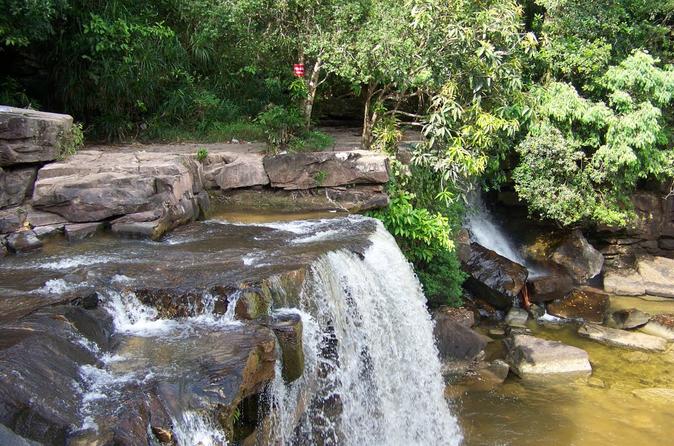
[(372, 373), (487, 233)]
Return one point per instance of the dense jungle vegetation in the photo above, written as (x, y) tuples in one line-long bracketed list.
[(567, 101)]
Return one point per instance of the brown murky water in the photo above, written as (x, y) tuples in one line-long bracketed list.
[(579, 413)]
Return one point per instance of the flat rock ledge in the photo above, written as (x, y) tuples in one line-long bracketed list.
[(622, 338), (653, 276), (529, 356)]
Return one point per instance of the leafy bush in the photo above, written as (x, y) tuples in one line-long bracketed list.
[(312, 141), (73, 141), (280, 125)]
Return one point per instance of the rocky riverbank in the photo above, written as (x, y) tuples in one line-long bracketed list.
[(146, 193)]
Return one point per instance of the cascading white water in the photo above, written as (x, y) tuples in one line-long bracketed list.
[(487, 233), (372, 373)]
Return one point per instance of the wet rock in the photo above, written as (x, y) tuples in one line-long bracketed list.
[(146, 224), (326, 169), (29, 136), (16, 185), (9, 438), (23, 241), (655, 395), (456, 341), (492, 277), (630, 318), (462, 315), (81, 231), (517, 317), (35, 351), (497, 332), (658, 275), (499, 368), (579, 258), (624, 282), (635, 357), (163, 435), (661, 325), (531, 356), (536, 311), (622, 338), (43, 232), (550, 287), (586, 304), (12, 220), (288, 330), (253, 303)]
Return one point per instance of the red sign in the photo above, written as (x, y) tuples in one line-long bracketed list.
[(298, 69)]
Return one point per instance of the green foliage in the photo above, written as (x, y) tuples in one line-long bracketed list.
[(72, 142), (202, 154), (319, 177), (280, 125), (594, 153), (424, 225), (311, 141)]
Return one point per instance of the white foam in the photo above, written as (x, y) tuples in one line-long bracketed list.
[(75, 261), (56, 286), (194, 429)]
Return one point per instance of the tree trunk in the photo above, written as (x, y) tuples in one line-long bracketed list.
[(366, 138), (312, 88)]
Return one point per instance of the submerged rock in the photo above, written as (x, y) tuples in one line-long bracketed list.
[(655, 395), (630, 318), (622, 338), (531, 356), (586, 304), (579, 258), (491, 276), (658, 275), (661, 325), (29, 136)]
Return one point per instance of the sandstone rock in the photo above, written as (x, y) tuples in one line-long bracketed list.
[(596, 382), (288, 330), (242, 171), (463, 316), (658, 275), (29, 136), (16, 185), (43, 232), (326, 169), (7, 437), (455, 341), (580, 258), (635, 357), (93, 186), (655, 395), (585, 304), (624, 282), (517, 317), (499, 368), (23, 241), (12, 219), (492, 277), (80, 231), (630, 318), (536, 311), (142, 224), (621, 338), (253, 303), (530, 356)]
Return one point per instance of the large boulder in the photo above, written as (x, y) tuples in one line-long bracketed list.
[(587, 304), (579, 258), (622, 338), (624, 282), (16, 185), (531, 356), (455, 340), (658, 275), (326, 169), (491, 276), (555, 284), (234, 170), (94, 186), (29, 136)]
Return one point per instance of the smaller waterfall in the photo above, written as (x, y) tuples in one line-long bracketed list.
[(372, 374), (193, 428), (487, 233)]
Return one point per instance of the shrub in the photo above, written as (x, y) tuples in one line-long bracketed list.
[(202, 154), (280, 125), (72, 142)]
